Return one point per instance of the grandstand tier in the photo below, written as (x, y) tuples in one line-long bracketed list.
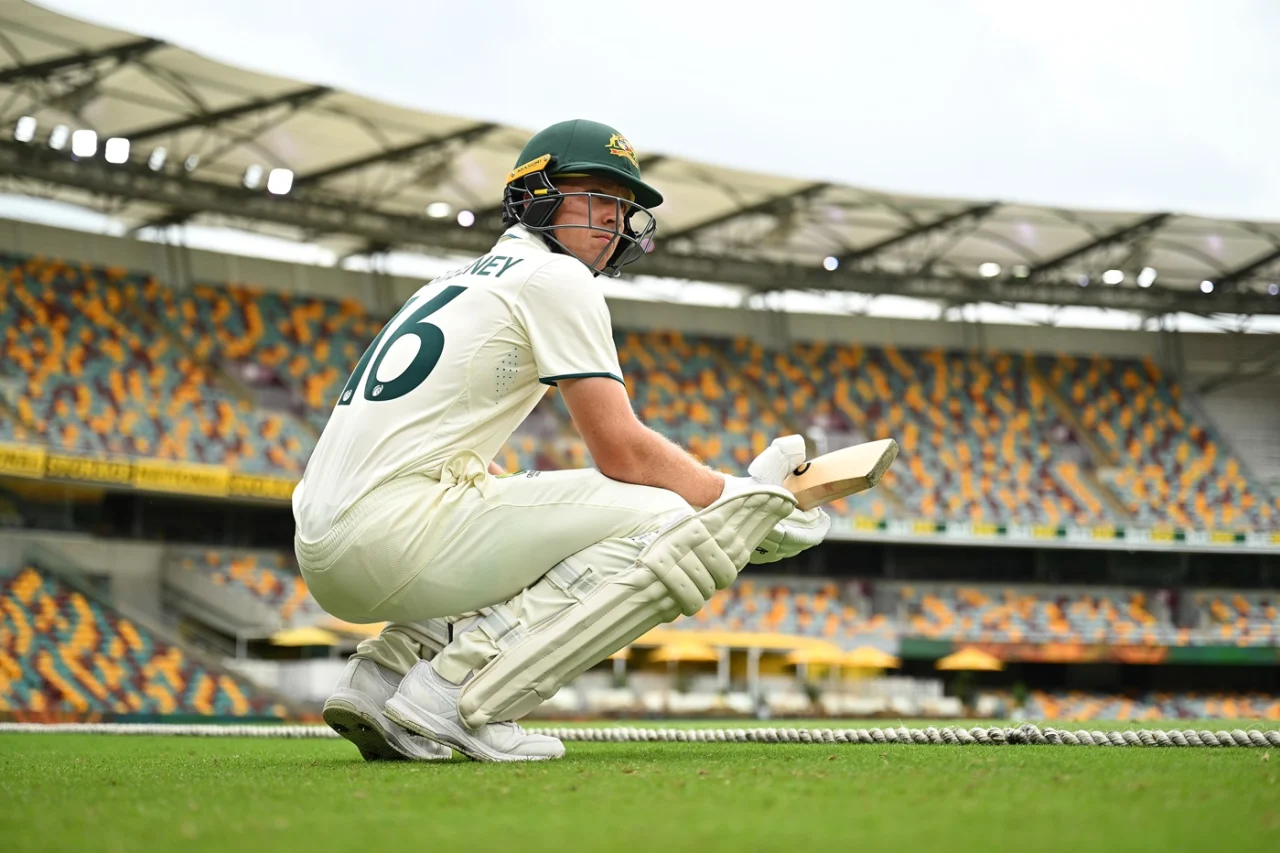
[(1168, 469), (95, 380), (825, 610), (1013, 615), (108, 362), (1081, 705), (63, 653), (248, 593), (255, 593)]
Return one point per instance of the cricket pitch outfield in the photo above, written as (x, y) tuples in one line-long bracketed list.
[(104, 793)]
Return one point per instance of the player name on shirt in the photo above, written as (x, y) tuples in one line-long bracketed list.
[(494, 265)]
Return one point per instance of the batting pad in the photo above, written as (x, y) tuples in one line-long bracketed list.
[(589, 611)]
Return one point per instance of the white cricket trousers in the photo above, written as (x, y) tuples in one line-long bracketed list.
[(416, 548)]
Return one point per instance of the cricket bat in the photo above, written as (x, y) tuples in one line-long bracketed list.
[(841, 473)]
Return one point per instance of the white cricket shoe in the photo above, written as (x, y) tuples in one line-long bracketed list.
[(428, 705), (355, 712)]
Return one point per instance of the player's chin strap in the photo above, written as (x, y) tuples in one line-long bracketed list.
[(588, 606)]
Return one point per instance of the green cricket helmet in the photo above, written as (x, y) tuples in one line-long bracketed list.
[(581, 148)]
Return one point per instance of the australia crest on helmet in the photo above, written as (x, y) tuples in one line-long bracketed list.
[(620, 147)]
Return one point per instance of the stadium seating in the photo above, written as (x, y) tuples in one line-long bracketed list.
[(798, 608), (1031, 615), (1080, 706), (683, 388), (822, 609), (309, 345), (1171, 470), (271, 577), (974, 431), (108, 362), (984, 613), (64, 653), (12, 431), (98, 382), (1239, 618)]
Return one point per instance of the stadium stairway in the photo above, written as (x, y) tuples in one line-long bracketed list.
[(1173, 469), (1245, 420), (242, 594), (1101, 458)]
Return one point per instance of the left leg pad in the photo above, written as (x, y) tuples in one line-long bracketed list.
[(598, 612)]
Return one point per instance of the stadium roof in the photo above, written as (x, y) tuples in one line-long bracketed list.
[(365, 172)]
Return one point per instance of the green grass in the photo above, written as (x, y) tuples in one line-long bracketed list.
[(86, 792)]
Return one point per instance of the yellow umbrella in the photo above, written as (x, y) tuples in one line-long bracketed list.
[(869, 657), (818, 655), (623, 653), (308, 636), (971, 659), (686, 652), (355, 629)]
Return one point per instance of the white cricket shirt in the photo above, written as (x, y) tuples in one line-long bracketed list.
[(458, 368)]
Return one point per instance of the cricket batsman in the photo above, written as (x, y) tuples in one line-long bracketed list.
[(500, 588)]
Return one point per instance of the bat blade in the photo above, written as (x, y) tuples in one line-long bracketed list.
[(841, 473)]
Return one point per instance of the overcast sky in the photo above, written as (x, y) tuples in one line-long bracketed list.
[(1168, 104)]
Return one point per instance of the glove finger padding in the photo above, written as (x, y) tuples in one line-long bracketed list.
[(800, 530), (783, 455)]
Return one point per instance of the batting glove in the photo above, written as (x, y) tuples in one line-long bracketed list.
[(770, 468), (797, 532)]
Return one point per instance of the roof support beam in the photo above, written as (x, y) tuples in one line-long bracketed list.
[(1241, 273), (297, 98), (121, 53), (39, 165), (1128, 232), (977, 212), (768, 204), (391, 155), (164, 220)]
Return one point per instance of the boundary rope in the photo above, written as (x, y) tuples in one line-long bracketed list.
[(946, 736)]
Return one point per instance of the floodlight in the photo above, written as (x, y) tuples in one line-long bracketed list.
[(279, 181), (84, 143), (116, 150)]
